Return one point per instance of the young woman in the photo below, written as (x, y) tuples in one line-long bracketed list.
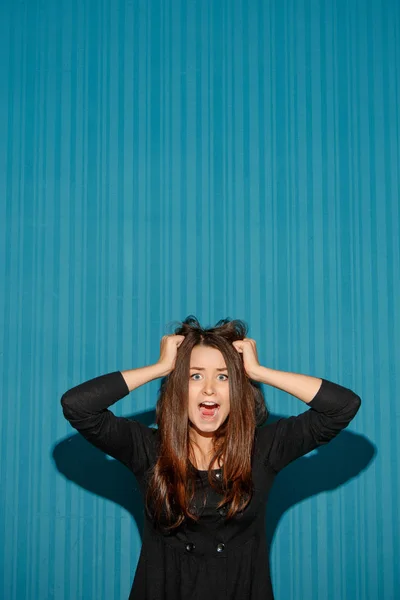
[(206, 471)]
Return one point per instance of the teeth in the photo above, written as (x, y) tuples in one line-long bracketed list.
[(209, 403)]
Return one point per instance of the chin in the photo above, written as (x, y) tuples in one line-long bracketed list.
[(208, 425)]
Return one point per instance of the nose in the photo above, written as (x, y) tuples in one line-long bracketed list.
[(208, 389)]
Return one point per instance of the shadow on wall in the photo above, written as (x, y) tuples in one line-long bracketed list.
[(323, 469)]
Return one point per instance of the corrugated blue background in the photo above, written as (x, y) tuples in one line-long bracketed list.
[(222, 158)]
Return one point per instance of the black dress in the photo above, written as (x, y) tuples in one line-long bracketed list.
[(211, 559)]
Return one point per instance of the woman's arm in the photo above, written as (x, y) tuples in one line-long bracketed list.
[(134, 378), (331, 408), (85, 406), (304, 387)]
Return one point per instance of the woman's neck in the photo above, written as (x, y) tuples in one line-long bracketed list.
[(201, 451)]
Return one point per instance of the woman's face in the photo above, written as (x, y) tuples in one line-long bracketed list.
[(208, 383)]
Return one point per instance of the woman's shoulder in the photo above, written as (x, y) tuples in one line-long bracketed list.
[(265, 430), (149, 431), (264, 435)]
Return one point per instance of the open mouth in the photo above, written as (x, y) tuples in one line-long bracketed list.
[(208, 410)]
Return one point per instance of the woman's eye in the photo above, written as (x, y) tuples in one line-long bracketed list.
[(221, 375)]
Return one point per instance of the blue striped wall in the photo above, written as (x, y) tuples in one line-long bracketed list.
[(219, 158)]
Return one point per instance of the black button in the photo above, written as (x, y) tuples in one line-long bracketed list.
[(223, 510), (220, 547), (190, 546)]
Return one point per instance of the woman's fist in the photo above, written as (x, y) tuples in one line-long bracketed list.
[(168, 350), (248, 348)]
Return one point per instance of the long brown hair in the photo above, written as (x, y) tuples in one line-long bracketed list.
[(172, 480)]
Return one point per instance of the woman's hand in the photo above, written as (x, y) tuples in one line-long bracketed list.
[(168, 351), (248, 348)]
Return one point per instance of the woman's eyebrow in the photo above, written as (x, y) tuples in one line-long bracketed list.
[(202, 368)]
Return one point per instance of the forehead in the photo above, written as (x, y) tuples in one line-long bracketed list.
[(204, 356)]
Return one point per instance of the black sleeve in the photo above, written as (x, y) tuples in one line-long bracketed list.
[(331, 410), (86, 408)]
